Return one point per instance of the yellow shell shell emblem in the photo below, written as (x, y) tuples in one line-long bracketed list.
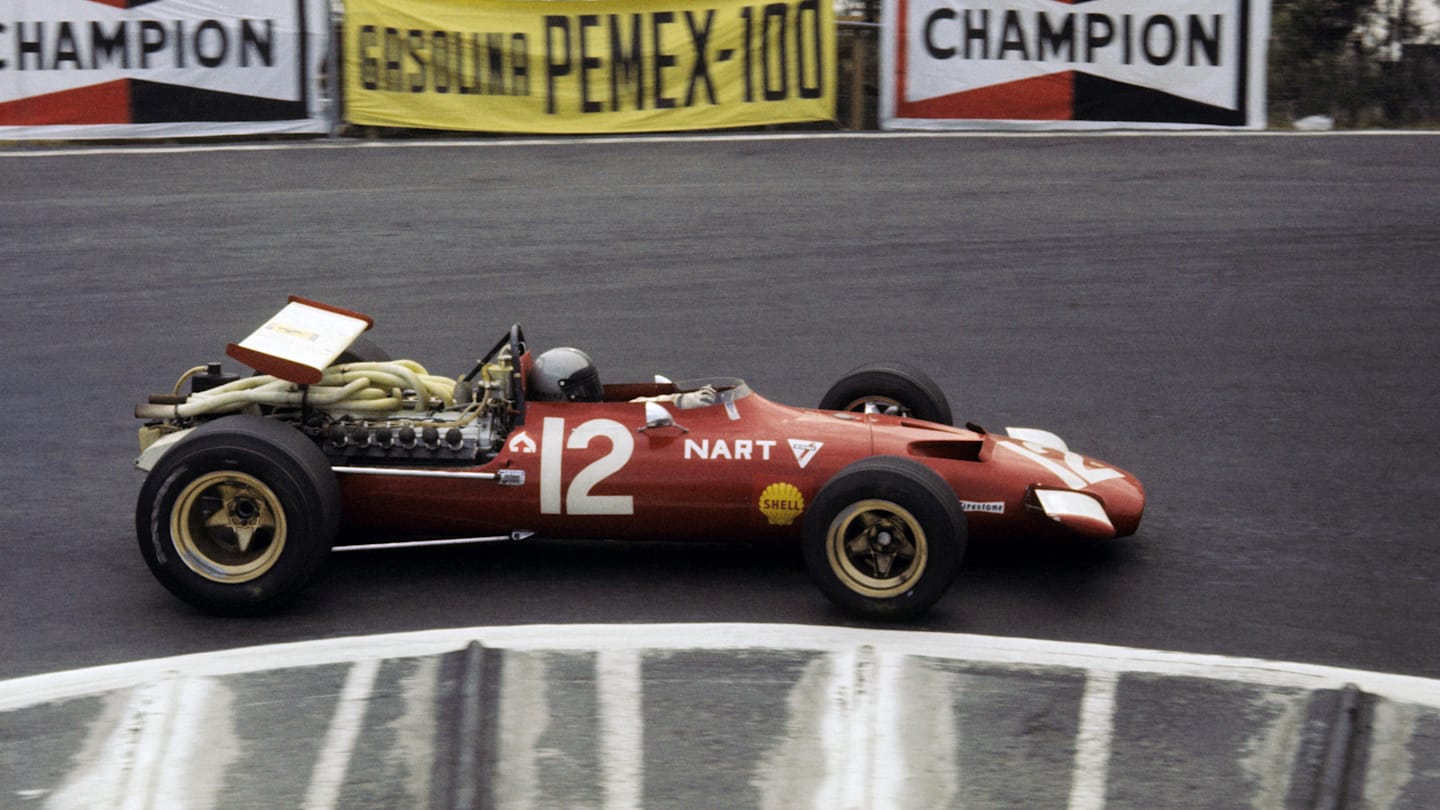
[(781, 504)]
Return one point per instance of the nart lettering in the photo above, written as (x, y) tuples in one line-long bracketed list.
[(136, 44), (1070, 37)]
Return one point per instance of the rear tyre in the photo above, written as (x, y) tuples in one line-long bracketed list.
[(236, 518), (884, 538), (893, 388)]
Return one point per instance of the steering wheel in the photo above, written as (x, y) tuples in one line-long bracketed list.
[(515, 339), (517, 385)]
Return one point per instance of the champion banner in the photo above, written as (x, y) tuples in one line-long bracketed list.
[(1074, 64), (160, 68), (588, 66)]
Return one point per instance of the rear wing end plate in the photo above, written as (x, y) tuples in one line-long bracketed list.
[(300, 341)]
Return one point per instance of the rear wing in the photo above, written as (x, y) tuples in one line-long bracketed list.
[(300, 341)]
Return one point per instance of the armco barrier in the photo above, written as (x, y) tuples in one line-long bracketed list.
[(726, 716)]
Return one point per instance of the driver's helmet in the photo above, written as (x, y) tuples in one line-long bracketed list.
[(565, 374)]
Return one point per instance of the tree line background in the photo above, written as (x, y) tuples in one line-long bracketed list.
[(1364, 63)]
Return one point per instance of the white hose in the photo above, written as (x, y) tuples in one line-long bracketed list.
[(359, 387), (239, 399)]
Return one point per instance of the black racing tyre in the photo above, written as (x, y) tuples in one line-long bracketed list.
[(238, 516), (889, 388), (884, 538), (363, 350)]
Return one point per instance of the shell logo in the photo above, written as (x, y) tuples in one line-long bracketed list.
[(781, 504)]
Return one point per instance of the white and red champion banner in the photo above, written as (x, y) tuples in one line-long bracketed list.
[(1074, 64), (161, 68)]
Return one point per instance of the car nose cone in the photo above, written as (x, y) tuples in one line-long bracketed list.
[(1125, 503)]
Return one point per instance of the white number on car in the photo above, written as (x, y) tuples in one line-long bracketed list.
[(577, 500)]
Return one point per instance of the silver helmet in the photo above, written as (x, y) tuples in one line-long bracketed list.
[(565, 374)]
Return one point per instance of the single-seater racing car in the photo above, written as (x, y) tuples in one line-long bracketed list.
[(252, 478)]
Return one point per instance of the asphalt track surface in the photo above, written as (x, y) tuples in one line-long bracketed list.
[(1247, 323)]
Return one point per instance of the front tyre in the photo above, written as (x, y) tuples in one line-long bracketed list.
[(884, 538), (891, 388), (236, 518)]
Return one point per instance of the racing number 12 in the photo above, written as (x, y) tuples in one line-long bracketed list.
[(577, 499)]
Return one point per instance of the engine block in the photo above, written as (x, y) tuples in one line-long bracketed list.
[(401, 441)]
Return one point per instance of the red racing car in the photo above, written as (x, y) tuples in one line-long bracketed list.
[(251, 478)]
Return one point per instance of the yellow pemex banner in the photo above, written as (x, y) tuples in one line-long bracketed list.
[(588, 66)]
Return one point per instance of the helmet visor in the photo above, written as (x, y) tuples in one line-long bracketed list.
[(583, 386)]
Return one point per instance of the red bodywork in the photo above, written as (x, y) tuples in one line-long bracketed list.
[(743, 469)]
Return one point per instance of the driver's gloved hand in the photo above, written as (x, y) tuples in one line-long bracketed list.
[(696, 399)]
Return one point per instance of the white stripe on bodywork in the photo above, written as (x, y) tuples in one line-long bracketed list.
[(1067, 476), (1044, 438), (1073, 472)]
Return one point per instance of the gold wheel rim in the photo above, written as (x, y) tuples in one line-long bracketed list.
[(228, 527), (877, 548), (878, 404)]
